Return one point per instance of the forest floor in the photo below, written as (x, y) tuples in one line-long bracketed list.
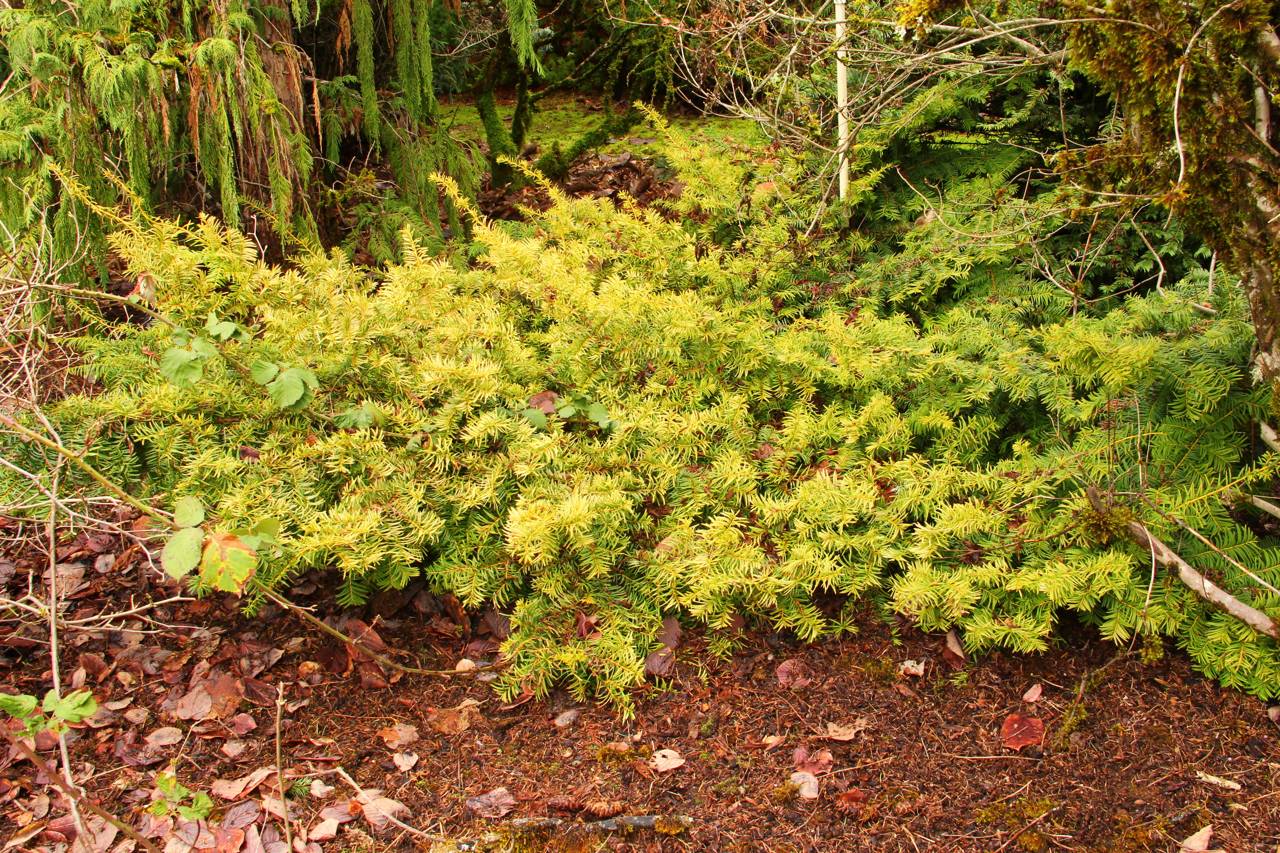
[(908, 746)]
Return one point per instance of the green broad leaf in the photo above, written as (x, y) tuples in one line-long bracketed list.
[(203, 347), (181, 553), (188, 512), (170, 788), (182, 367), (19, 707), (599, 414), (72, 708), (359, 417), (220, 330), (159, 808), (228, 563), (535, 417), (263, 372), (201, 806), (292, 388), (567, 412), (268, 530)]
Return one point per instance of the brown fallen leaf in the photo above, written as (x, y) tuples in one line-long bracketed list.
[(771, 741), (241, 815), (234, 789), (953, 650), (325, 830), (851, 801), (1019, 731), (167, 736), (792, 674), (342, 812), (497, 803), (565, 719), (372, 676), (233, 747), (195, 704), (836, 731), (399, 735), (544, 401), (404, 761), (662, 662), (225, 692), (665, 760), (382, 812), (242, 724), (812, 762), (1033, 694), (1198, 841), (453, 721)]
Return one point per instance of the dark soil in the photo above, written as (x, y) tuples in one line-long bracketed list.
[(1138, 752)]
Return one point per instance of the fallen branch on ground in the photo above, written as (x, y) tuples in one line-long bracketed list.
[(1198, 583), (379, 659)]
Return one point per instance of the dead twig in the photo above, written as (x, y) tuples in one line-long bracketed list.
[(284, 802)]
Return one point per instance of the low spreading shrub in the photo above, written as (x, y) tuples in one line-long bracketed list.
[(606, 416)]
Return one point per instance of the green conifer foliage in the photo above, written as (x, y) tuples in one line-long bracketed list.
[(611, 416)]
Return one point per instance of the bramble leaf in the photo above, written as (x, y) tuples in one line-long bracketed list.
[(188, 512), (181, 553), (71, 708), (228, 563), (182, 367), (18, 707), (292, 388), (263, 372)]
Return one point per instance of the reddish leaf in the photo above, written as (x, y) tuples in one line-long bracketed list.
[(453, 721), (242, 724), (1019, 731), (586, 625), (792, 674), (195, 704), (812, 762), (544, 401), (372, 676), (851, 801), (1033, 693), (662, 661), (495, 804), (381, 812), (234, 789), (399, 736)]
